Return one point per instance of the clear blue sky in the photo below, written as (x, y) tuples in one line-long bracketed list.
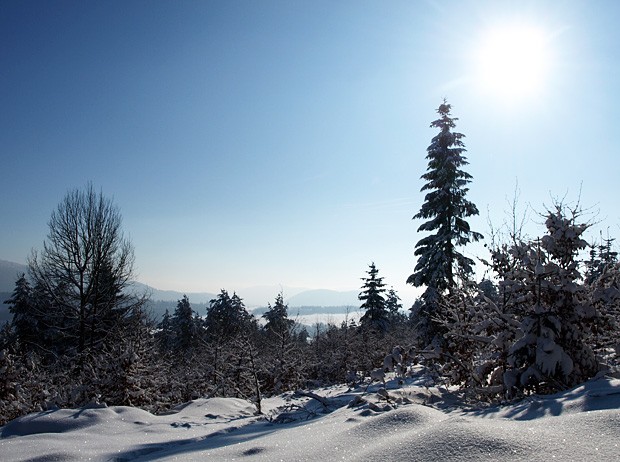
[(281, 142)]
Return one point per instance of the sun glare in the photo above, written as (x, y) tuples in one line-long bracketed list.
[(512, 61)]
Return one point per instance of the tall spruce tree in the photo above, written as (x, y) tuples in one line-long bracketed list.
[(445, 209), (376, 315)]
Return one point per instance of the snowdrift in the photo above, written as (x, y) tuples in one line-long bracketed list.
[(580, 424)]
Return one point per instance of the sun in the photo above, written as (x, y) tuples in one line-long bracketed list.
[(512, 61)]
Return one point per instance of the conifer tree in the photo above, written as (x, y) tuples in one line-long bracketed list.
[(538, 332), (230, 333), (227, 317), (165, 334), (376, 316), (280, 353), (601, 257), (277, 319), (554, 348), (184, 325), (25, 321), (445, 208), (393, 304)]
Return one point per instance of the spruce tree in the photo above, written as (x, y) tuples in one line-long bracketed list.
[(445, 208), (185, 326), (602, 256), (165, 333), (227, 317), (376, 316), (557, 312), (281, 354), (278, 323), (393, 306), (230, 337), (25, 321)]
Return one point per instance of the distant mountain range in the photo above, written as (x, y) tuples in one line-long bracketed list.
[(260, 296), (253, 297), (9, 272), (325, 297), (171, 295)]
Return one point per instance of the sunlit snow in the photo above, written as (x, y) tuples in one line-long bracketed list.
[(413, 423)]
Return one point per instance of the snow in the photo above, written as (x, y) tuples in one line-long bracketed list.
[(413, 423)]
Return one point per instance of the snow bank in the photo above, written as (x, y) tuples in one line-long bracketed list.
[(580, 424)]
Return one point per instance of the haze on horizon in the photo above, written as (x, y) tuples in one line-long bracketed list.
[(265, 143)]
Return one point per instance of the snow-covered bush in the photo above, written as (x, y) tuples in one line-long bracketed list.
[(479, 333), (538, 331), (554, 347), (604, 293)]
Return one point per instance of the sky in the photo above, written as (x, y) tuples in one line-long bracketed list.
[(282, 142)]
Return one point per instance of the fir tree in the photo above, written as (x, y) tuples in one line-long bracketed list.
[(25, 320), (227, 317), (445, 207), (554, 349), (185, 326), (281, 353), (376, 316), (393, 303), (277, 319), (602, 256), (231, 333), (165, 334)]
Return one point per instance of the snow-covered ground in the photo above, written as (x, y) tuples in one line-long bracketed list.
[(411, 423)]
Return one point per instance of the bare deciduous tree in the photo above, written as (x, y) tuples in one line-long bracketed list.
[(84, 268)]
